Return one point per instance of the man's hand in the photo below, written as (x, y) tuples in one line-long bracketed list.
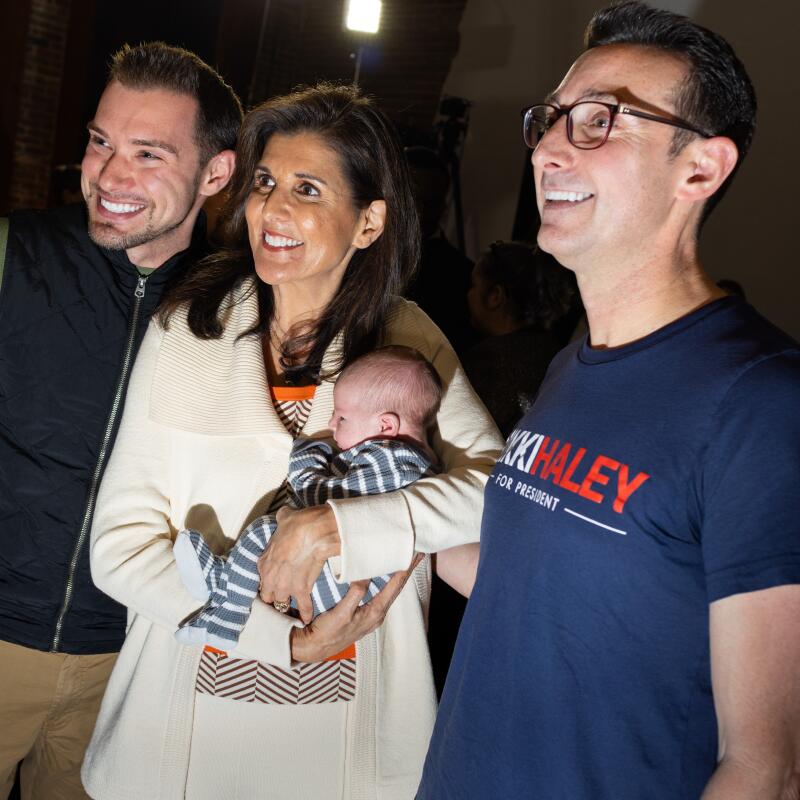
[(347, 622), (299, 548)]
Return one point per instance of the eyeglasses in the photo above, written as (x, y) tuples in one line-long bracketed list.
[(588, 122)]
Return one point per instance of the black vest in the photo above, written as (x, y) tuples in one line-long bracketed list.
[(72, 316)]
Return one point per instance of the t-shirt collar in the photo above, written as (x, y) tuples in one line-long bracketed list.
[(590, 355)]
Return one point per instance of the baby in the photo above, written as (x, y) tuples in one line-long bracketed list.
[(384, 403)]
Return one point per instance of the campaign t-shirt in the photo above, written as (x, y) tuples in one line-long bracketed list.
[(646, 482)]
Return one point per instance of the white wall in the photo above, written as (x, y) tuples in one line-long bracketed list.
[(514, 51)]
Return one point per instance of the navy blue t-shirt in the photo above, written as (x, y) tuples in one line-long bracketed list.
[(646, 482)]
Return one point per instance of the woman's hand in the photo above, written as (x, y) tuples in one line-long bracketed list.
[(347, 622), (304, 540)]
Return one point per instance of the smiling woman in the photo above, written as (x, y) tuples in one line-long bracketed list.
[(322, 237)]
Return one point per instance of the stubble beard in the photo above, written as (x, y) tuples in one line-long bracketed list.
[(105, 235)]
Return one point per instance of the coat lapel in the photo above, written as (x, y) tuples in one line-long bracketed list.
[(219, 386)]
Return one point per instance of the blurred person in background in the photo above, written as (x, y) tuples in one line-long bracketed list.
[(518, 294), (441, 282), (65, 185)]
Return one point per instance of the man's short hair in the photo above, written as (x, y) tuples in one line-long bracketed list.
[(400, 380), (717, 95), (155, 65)]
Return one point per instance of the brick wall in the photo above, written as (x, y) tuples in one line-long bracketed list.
[(40, 87)]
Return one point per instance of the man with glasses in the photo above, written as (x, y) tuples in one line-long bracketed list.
[(634, 629)]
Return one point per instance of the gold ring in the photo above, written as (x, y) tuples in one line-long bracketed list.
[(281, 605)]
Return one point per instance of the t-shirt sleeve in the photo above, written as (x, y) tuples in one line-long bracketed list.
[(751, 482)]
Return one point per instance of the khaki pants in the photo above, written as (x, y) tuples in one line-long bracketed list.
[(48, 706)]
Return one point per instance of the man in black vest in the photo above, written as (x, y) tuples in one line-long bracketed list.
[(76, 292)]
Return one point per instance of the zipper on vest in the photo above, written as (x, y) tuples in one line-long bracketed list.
[(138, 294)]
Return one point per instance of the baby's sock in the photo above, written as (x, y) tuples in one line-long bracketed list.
[(220, 621), (191, 633), (199, 568), (195, 629)]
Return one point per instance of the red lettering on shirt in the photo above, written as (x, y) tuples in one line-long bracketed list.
[(557, 462), (626, 489), (544, 455), (565, 481), (595, 476), (556, 466)]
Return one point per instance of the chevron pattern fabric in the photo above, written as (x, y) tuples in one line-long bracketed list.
[(253, 682), (293, 414)]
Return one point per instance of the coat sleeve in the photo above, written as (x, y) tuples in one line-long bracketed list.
[(381, 532), (133, 530)]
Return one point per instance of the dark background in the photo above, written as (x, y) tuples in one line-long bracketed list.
[(55, 55)]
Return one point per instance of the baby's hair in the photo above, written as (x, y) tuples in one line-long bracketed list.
[(401, 380)]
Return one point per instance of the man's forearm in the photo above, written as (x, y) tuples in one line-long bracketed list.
[(458, 567), (736, 780)]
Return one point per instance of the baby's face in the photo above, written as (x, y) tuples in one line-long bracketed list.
[(351, 422)]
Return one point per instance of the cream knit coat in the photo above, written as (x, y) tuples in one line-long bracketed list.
[(201, 446)]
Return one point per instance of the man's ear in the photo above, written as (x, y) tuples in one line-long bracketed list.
[(217, 173), (390, 424), (495, 298), (710, 161), (371, 222)]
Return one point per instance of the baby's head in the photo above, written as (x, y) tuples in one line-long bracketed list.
[(387, 393)]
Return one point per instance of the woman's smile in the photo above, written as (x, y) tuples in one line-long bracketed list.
[(277, 242)]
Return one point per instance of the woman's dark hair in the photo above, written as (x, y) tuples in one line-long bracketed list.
[(538, 290), (717, 95), (372, 161)]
